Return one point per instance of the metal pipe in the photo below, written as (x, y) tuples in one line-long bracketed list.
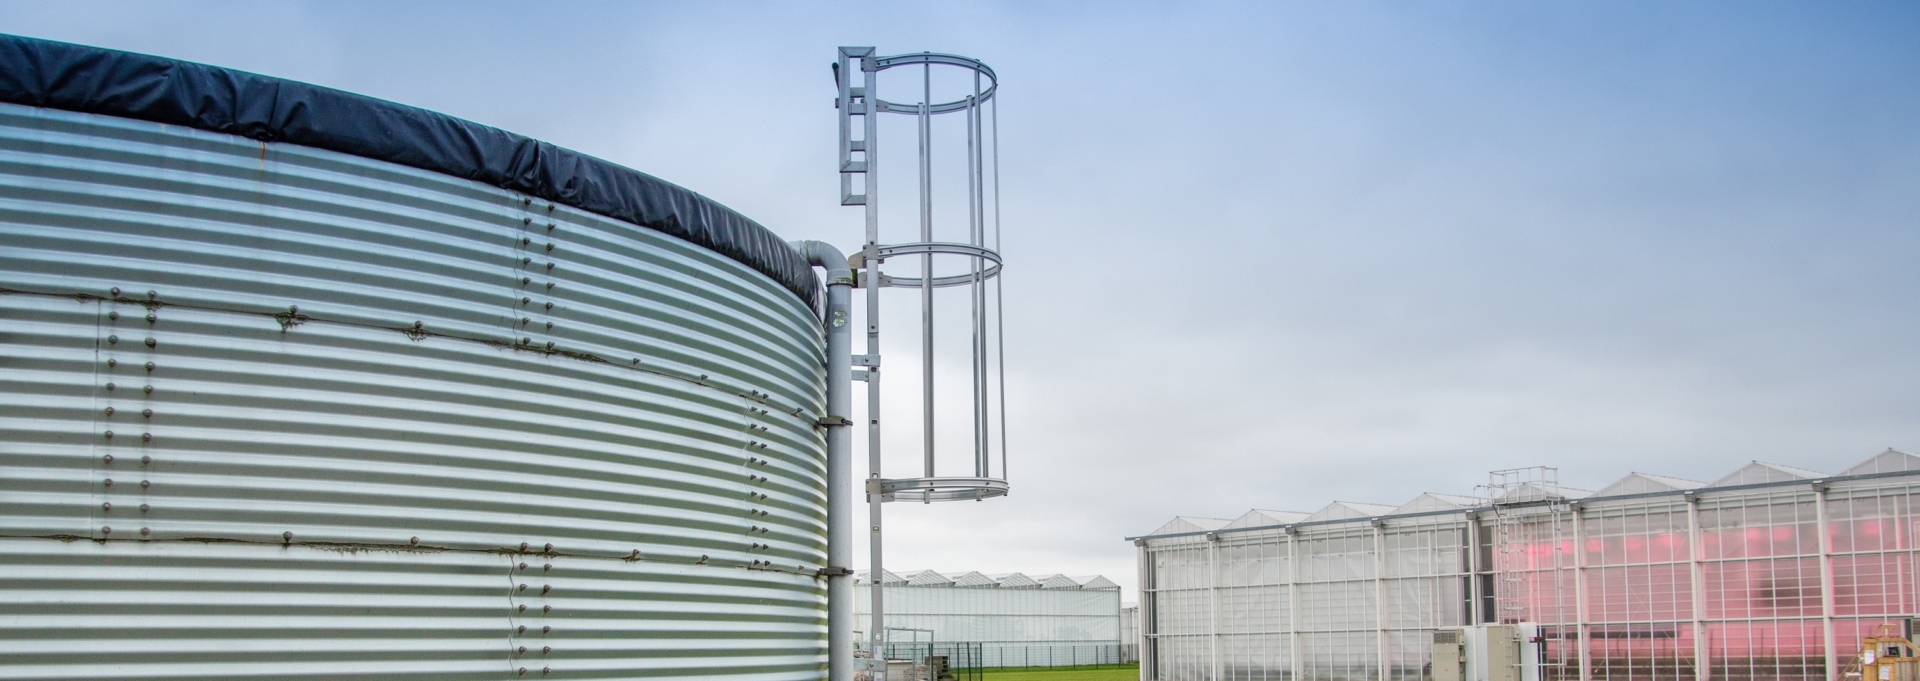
[(840, 622)]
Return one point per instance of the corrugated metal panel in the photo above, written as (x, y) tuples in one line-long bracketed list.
[(358, 398)]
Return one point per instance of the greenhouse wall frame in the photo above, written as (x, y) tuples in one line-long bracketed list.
[(1734, 581)]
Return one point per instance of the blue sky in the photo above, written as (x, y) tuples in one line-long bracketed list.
[(1277, 254)]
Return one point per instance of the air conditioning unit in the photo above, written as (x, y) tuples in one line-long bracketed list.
[(1488, 652)]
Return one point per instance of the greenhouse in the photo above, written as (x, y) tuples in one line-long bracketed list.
[(1019, 620), (1770, 572)]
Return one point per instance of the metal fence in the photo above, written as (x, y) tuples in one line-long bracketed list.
[(932, 661), (1058, 654)]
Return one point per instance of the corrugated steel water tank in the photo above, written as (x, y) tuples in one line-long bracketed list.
[(269, 410)]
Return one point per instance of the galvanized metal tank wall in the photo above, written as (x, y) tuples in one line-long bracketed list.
[(274, 412)]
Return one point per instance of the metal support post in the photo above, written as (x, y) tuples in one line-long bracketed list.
[(1293, 600), (1380, 596), (1149, 665), (1822, 520), (1474, 595), (1213, 604), (1581, 629), (1702, 653)]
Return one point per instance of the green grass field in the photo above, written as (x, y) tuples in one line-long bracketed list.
[(1128, 672)]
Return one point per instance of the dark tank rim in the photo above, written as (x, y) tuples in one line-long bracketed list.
[(80, 78)]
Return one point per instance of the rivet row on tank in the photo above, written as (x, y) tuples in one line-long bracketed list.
[(109, 411), (145, 531), (151, 318), (148, 389), (524, 301), (109, 434), (549, 284), (111, 363), (526, 261), (523, 607), (114, 316), (116, 291), (526, 241), (414, 541), (546, 649), (549, 246), (526, 320), (144, 508), (108, 459), (106, 530), (549, 265), (521, 651), (145, 484), (523, 547), (288, 535), (151, 294), (549, 548), (526, 341), (523, 671), (544, 630), (526, 221), (147, 413), (526, 280), (522, 587), (550, 226), (146, 459), (549, 345), (151, 366), (547, 568), (634, 556), (549, 207), (549, 325), (107, 507), (113, 340), (549, 305), (152, 343), (146, 437), (110, 386), (546, 589), (521, 630), (546, 670), (546, 608)]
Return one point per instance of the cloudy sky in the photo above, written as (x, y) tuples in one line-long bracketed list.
[(1277, 254)]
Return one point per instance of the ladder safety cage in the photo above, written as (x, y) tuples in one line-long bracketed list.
[(972, 264)]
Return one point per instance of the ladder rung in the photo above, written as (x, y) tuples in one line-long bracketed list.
[(853, 167), (853, 200), (856, 145)]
